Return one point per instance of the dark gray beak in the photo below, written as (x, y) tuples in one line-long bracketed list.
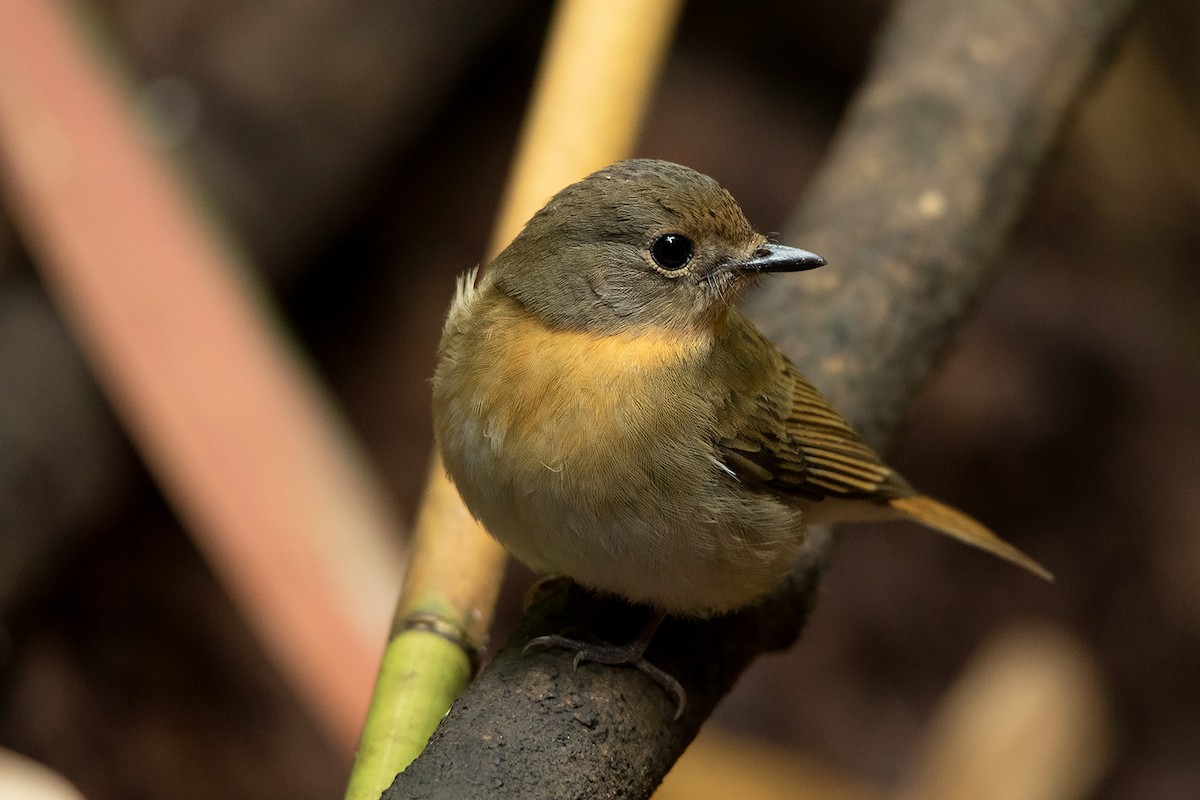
[(780, 258)]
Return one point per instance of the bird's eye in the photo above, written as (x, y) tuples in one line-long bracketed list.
[(672, 251)]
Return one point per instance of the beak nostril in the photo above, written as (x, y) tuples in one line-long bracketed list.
[(771, 257)]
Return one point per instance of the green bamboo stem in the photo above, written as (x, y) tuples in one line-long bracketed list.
[(407, 705)]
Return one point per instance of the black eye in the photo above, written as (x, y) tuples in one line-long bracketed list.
[(672, 250)]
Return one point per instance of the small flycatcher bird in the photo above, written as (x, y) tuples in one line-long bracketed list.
[(608, 414)]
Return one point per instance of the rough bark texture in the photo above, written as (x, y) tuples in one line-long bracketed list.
[(532, 726), (929, 172)]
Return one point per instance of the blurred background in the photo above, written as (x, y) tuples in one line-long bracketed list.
[(357, 152)]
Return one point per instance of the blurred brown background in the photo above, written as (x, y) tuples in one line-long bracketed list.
[(358, 151)]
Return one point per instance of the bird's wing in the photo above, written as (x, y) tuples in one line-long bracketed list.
[(775, 432), (788, 440)]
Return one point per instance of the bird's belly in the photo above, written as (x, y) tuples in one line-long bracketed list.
[(642, 514)]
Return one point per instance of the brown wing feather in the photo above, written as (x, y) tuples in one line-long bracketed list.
[(779, 434), (789, 440)]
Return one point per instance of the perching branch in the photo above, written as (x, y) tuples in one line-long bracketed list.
[(929, 172), (931, 168)]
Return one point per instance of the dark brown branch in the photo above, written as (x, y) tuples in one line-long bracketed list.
[(930, 170)]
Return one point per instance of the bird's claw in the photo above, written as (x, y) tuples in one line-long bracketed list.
[(615, 656)]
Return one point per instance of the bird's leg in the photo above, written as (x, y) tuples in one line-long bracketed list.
[(630, 654)]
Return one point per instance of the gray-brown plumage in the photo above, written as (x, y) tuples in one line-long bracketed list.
[(608, 414)]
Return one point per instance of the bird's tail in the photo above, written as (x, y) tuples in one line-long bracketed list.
[(954, 523)]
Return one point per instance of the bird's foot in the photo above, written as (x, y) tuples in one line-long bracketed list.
[(625, 655)]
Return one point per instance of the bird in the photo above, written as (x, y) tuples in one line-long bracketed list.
[(608, 414)]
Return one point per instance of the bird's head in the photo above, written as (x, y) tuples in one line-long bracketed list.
[(640, 243)]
